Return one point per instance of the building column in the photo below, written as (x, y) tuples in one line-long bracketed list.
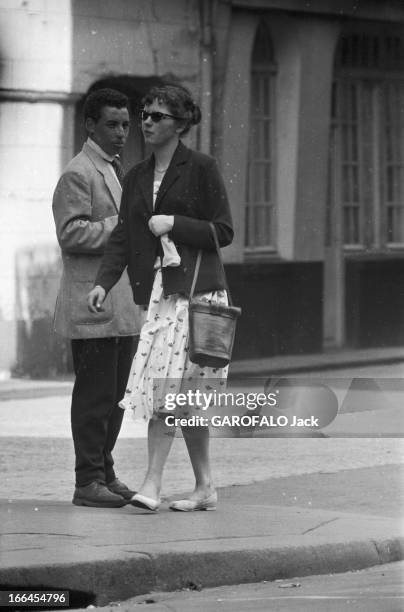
[(36, 139), (236, 111), (305, 52), (35, 78)]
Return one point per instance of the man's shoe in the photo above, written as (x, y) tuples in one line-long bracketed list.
[(119, 488), (97, 495)]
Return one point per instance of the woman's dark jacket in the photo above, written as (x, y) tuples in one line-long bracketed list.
[(193, 191)]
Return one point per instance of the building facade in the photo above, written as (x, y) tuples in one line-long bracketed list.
[(303, 106)]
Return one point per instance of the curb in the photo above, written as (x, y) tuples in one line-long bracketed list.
[(103, 581)]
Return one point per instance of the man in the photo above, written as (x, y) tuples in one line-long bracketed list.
[(85, 208)]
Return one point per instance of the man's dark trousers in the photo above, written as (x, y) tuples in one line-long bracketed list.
[(102, 367)]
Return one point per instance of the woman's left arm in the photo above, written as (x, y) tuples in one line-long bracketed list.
[(214, 207)]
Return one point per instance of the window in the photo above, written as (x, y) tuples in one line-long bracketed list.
[(367, 140), (260, 193), (393, 162)]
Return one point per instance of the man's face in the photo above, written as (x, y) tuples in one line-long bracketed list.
[(111, 130)]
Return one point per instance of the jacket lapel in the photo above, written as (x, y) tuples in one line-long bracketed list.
[(145, 179), (103, 167), (180, 156)]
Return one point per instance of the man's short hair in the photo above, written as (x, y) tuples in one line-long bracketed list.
[(99, 98)]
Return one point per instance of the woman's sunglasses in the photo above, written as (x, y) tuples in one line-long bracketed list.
[(155, 116)]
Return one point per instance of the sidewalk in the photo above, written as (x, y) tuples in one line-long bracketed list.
[(280, 528), (346, 358), (17, 388)]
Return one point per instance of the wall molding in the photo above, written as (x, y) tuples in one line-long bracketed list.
[(33, 96)]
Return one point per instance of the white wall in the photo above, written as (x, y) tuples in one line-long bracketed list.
[(35, 68)]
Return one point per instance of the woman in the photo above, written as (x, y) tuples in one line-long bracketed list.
[(172, 196)]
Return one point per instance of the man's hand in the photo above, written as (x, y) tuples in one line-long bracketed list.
[(161, 224), (95, 299)]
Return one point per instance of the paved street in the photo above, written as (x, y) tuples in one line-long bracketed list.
[(378, 589)]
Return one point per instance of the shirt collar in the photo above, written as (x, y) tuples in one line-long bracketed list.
[(93, 145)]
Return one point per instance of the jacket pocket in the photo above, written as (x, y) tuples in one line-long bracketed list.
[(80, 314)]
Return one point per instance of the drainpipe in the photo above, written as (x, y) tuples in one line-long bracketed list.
[(206, 42)]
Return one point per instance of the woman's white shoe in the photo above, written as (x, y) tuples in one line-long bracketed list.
[(190, 505), (148, 503)]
